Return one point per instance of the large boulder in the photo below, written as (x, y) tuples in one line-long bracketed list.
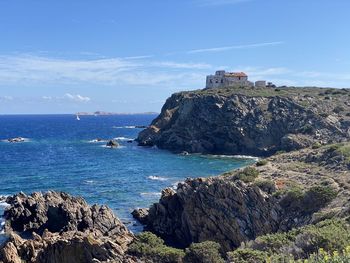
[(217, 209), (62, 228)]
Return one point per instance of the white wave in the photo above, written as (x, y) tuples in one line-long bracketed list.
[(151, 194), (157, 178), (89, 181), (123, 139), (23, 140), (109, 147), (124, 127), (222, 156), (97, 140)]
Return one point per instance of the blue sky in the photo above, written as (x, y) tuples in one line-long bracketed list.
[(129, 56)]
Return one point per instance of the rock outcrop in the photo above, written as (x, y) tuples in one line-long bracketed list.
[(201, 209), (56, 227), (112, 144), (285, 191), (249, 121)]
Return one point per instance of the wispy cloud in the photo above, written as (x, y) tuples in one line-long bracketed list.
[(6, 98), (67, 97), (42, 70), (226, 48), (77, 97), (219, 2)]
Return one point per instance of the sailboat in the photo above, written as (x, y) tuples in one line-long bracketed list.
[(78, 119)]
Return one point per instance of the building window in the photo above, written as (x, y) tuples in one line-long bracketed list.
[(222, 81), (216, 81), (211, 81)]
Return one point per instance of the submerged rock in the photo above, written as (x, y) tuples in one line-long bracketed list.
[(62, 229), (112, 144), (17, 139)]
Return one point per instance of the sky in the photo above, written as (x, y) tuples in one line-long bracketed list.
[(128, 56)]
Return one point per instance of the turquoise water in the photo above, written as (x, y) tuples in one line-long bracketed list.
[(59, 154)]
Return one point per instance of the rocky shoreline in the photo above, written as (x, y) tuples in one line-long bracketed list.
[(284, 207)]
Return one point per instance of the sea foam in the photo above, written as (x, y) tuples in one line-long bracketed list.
[(157, 178)]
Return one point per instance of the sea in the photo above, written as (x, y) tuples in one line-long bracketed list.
[(61, 153)]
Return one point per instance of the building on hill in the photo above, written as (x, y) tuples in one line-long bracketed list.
[(231, 79)]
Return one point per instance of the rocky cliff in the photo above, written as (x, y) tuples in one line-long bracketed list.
[(276, 194), (250, 121)]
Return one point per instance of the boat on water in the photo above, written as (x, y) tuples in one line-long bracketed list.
[(78, 119)]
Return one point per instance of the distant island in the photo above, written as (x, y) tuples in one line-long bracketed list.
[(102, 113)]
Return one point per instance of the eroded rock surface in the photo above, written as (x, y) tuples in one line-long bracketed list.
[(291, 190), (249, 121), (56, 227)]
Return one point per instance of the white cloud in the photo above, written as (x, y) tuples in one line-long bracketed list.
[(29, 70), (226, 48), (6, 98), (77, 97), (67, 97)]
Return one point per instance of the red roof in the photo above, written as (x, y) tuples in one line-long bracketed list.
[(236, 74)]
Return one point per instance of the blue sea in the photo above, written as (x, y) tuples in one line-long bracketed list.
[(59, 154)]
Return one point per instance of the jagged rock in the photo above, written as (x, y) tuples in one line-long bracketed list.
[(228, 212), (112, 144), (235, 121), (62, 229), (141, 214)]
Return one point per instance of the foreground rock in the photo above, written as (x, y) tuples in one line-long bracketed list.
[(62, 228), (280, 193), (248, 121)]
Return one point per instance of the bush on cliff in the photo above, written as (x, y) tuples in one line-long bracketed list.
[(261, 162), (205, 252), (148, 245), (247, 255), (307, 201), (330, 235), (247, 175)]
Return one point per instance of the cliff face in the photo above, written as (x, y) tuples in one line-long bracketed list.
[(248, 121), (285, 191)]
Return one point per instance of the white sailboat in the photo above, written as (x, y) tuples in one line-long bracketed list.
[(78, 119)]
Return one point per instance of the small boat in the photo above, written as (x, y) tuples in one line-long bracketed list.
[(78, 119)]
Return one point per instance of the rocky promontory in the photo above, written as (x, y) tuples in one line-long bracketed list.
[(250, 121), (57, 227)]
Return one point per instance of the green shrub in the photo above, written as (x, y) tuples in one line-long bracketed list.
[(330, 234), (205, 252), (247, 175), (292, 198), (150, 246), (316, 145), (247, 256), (317, 197), (261, 162), (268, 186), (307, 201)]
